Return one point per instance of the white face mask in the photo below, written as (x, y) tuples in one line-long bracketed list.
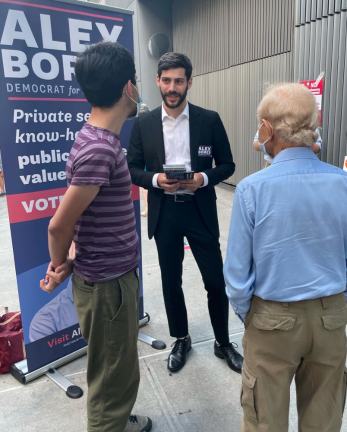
[(262, 145)]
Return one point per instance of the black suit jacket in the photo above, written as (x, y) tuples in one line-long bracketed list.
[(147, 150)]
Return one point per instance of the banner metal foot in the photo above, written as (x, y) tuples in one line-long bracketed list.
[(20, 370), (156, 344), (71, 390)]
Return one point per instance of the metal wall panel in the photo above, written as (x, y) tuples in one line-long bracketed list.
[(235, 94), (308, 11), (302, 49), (331, 7), (343, 129), (296, 51), (257, 50), (236, 46), (217, 34), (288, 25), (307, 46), (313, 10), (298, 12), (333, 83), (313, 29), (326, 39), (340, 66), (319, 8), (317, 68), (200, 30), (303, 12)]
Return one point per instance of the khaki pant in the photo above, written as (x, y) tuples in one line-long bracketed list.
[(109, 321), (304, 339)]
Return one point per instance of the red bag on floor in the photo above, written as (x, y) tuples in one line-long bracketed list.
[(12, 348), (11, 321)]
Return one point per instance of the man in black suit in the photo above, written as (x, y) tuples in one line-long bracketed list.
[(181, 133)]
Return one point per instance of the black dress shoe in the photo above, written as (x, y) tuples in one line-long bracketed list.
[(229, 353), (178, 356)]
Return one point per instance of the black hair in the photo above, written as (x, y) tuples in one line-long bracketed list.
[(102, 71), (173, 60)]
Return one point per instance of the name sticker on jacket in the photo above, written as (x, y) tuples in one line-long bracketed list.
[(205, 151)]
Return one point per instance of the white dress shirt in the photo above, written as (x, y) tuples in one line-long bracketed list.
[(177, 145)]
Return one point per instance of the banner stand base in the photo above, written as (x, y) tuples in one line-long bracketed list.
[(21, 373), (156, 344), (72, 391)]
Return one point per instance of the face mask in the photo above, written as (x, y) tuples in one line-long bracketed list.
[(262, 145), (138, 104)]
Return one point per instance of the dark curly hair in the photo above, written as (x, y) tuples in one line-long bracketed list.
[(102, 71)]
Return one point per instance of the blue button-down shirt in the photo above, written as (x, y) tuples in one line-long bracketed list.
[(288, 232)]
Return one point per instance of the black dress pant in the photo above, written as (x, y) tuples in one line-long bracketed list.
[(176, 221)]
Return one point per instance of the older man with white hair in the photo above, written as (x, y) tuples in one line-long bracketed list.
[(285, 272)]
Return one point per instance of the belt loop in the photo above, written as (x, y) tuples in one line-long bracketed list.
[(325, 302), (285, 306)]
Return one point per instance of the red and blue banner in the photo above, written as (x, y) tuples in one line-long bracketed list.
[(42, 110)]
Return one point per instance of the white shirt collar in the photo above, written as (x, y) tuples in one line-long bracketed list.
[(165, 115)]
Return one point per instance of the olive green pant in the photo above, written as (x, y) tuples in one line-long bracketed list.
[(305, 339), (109, 322)]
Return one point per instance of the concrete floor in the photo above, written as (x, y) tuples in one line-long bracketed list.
[(203, 397)]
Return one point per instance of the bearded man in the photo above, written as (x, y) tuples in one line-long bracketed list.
[(180, 133)]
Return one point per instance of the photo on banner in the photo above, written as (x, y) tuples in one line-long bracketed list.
[(43, 109)]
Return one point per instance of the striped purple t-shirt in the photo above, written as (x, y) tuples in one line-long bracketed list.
[(105, 234)]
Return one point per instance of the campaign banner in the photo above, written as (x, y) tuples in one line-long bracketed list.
[(42, 110), (317, 90)]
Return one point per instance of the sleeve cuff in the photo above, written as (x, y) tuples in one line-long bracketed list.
[(242, 316), (205, 179), (155, 181)]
